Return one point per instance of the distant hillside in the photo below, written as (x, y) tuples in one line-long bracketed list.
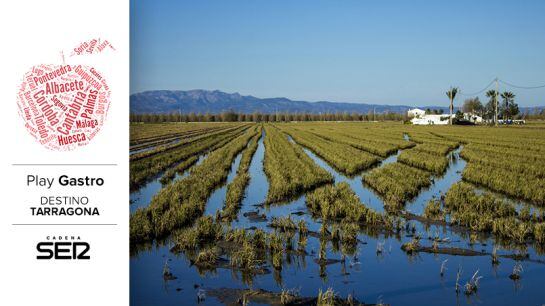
[(202, 101), (206, 101)]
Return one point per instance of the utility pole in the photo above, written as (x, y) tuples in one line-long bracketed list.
[(496, 103)]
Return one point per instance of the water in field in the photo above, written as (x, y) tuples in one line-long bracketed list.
[(441, 183), (142, 197), (216, 200), (366, 195), (153, 147), (256, 192), (391, 276), (520, 204)]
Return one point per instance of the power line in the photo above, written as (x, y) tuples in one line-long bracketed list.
[(521, 87), (480, 91), (501, 81)]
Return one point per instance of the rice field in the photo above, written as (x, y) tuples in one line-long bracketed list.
[(345, 213)]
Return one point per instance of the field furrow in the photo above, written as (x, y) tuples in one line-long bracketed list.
[(289, 170), (183, 201)]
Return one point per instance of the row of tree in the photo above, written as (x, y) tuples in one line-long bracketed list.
[(507, 107), (263, 117)]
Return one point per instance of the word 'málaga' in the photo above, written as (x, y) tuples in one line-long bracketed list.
[(63, 106)]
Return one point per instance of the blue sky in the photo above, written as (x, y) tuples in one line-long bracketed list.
[(384, 52)]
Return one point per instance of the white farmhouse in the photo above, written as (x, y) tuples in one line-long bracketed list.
[(416, 113), (431, 119), (473, 118)]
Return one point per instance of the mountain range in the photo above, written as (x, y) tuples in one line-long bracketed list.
[(207, 101)]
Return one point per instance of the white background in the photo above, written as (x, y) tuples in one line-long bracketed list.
[(35, 32)]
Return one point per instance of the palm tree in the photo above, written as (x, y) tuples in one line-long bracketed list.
[(492, 94), (451, 94), (508, 97)]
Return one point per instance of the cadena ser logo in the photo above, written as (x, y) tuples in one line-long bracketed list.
[(63, 248)]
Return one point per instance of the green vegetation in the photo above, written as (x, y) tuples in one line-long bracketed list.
[(429, 153), (487, 213), (339, 202), (509, 182), (169, 175), (145, 135), (205, 230), (235, 189), (379, 141), (521, 162), (343, 157), (248, 251), (433, 210), (283, 224), (424, 160), (451, 94), (397, 182), (509, 161), (412, 246), (375, 146), (145, 168), (289, 170), (179, 203), (326, 298)]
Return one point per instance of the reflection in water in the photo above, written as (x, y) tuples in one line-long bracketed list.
[(142, 197), (390, 276), (216, 200), (175, 141), (441, 184), (366, 195), (256, 191)]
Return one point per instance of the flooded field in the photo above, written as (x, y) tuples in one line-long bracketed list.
[(295, 232)]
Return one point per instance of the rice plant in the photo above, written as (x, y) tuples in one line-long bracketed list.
[(434, 211), (283, 223), (472, 285), (144, 167), (169, 175), (345, 158), (412, 246), (326, 298), (167, 274), (487, 213), (495, 257), (397, 182), (183, 201), (380, 247), (339, 202), (245, 258), (519, 185), (424, 160), (443, 267), (458, 287), (517, 271), (288, 296), (207, 257), (289, 170), (236, 188)]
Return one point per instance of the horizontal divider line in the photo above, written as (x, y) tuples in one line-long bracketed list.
[(93, 224), (64, 164)]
